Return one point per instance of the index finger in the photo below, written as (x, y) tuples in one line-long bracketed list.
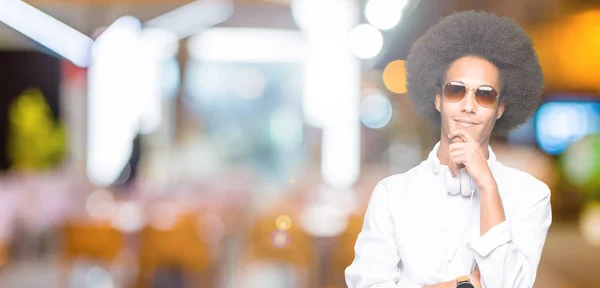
[(462, 134)]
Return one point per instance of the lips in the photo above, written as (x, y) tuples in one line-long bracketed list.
[(466, 122)]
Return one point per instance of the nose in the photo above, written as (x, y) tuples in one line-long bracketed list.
[(469, 104)]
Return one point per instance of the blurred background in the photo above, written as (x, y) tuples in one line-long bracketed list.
[(235, 143)]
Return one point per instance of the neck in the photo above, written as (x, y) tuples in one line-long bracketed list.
[(443, 151)]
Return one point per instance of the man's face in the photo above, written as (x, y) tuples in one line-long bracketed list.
[(477, 118)]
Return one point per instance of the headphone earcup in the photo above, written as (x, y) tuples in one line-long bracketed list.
[(466, 184)]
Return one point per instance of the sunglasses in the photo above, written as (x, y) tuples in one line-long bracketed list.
[(484, 95)]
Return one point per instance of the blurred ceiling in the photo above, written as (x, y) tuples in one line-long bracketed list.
[(564, 31), (87, 16)]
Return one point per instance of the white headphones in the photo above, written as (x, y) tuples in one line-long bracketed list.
[(461, 183)]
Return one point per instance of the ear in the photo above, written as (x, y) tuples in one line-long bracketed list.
[(500, 111), (438, 104)]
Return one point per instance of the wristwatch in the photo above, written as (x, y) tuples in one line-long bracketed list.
[(463, 282)]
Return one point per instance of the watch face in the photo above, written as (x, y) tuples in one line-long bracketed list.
[(465, 285)]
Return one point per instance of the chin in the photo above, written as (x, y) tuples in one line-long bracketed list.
[(474, 131)]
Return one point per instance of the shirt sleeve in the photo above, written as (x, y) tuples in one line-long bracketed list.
[(376, 261), (508, 255)]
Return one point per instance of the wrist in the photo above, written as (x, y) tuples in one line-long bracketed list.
[(487, 185), (464, 281)]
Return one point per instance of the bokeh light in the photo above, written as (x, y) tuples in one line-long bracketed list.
[(365, 41), (283, 222), (323, 18), (590, 224), (128, 217), (324, 219), (394, 76), (384, 14), (581, 162), (100, 205), (559, 124), (375, 111), (97, 277), (280, 239)]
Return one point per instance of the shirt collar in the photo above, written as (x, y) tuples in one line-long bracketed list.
[(437, 166)]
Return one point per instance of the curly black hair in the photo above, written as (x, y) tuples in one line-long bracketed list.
[(499, 40)]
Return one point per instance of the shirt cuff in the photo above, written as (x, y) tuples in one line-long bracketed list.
[(494, 238)]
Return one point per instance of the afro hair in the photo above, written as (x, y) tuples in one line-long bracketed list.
[(499, 40)]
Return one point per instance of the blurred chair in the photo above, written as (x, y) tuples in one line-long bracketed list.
[(3, 254), (179, 249), (277, 258), (343, 254), (91, 240)]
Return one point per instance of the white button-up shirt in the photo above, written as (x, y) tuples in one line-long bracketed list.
[(415, 232)]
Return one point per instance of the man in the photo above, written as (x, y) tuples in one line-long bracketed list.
[(461, 218)]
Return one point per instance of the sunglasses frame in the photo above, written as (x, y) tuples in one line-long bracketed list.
[(467, 89)]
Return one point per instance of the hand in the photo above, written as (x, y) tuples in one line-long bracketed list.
[(475, 279), (466, 151)]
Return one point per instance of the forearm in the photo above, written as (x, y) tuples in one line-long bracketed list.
[(508, 252), (492, 210)]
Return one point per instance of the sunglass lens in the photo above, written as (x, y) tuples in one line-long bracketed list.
[(486, 96), (454, 92)]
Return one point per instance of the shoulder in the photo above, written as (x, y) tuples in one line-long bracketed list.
[(401, 178), (399, 182)]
